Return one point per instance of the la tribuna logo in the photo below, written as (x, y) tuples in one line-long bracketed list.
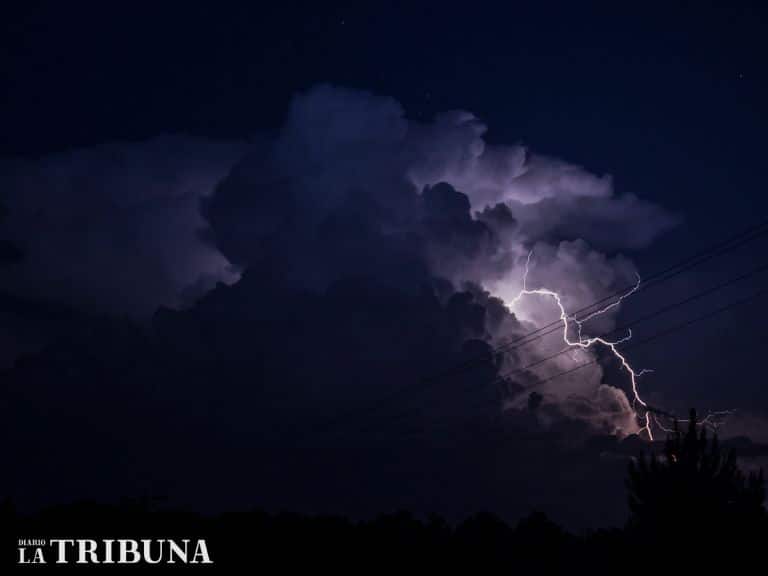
[(112, 551)]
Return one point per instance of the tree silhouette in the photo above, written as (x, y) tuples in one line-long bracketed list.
[(694, 491)]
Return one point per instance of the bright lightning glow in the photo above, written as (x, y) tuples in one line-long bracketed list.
[(584, 343), (712, 420)]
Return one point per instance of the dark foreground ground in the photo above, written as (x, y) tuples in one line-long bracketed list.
[(259, 542)]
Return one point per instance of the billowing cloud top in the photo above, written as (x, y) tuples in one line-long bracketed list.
[(297, 291), (349, 187), (339, 146)]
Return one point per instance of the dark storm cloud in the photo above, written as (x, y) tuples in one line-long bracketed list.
[(9, 252), (350, 187), (262, 394), (113, 228), (372, 253), (94, 220), (338, 144)]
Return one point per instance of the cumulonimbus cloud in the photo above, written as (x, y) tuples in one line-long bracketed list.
[(114, 228), (467, 211), (349, 186)]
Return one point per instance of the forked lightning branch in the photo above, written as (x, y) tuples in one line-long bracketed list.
[(571, 325)]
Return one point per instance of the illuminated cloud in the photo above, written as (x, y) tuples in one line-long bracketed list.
[(347, 188), (442, 199)]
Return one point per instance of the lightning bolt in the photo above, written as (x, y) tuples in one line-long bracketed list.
[(582, 342), (713, 420)]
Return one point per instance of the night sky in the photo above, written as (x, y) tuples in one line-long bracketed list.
[(230, 265)]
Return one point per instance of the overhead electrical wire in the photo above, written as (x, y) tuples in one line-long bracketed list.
[(723, 247)]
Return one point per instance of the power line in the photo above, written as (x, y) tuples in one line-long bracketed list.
[(719, 249), (732, 243), (647, 317), (731, 281), (665, 332), (635, 344)]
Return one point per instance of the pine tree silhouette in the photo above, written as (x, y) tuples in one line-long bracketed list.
[(695, 492)]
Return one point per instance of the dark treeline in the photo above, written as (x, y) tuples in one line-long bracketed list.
[(691, 507)]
